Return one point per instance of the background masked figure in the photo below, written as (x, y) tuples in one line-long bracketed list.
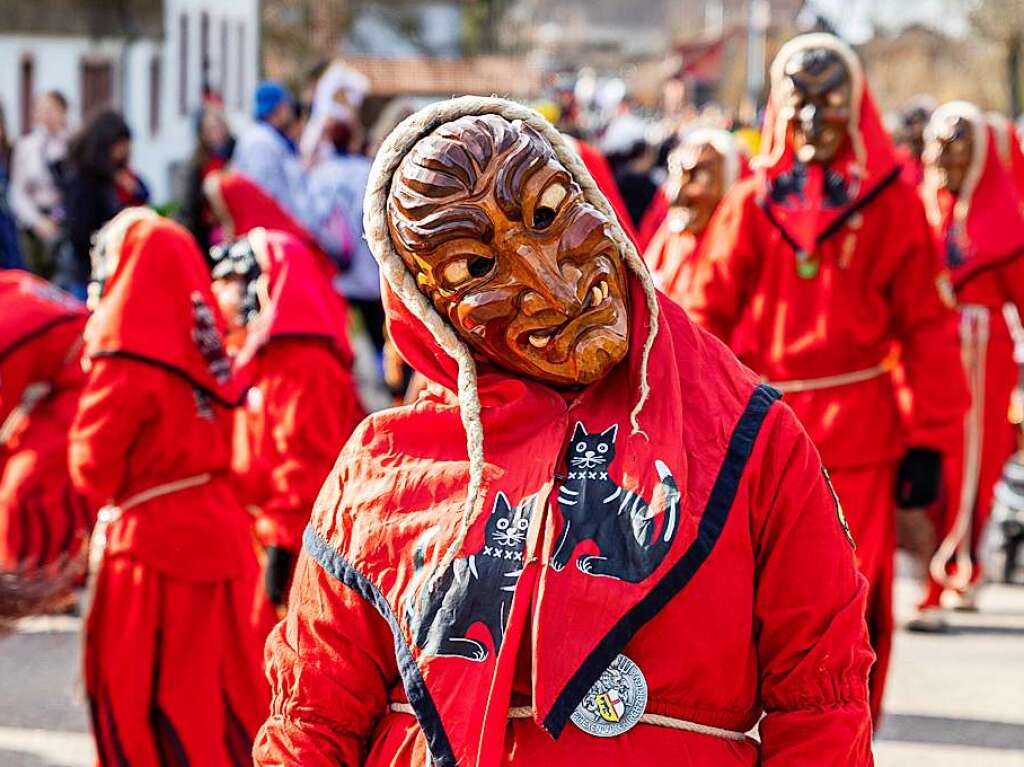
[(172, 648), (588, 483), (42, 518), (975, 213), (825, 261), (301, 403), (701, 170)]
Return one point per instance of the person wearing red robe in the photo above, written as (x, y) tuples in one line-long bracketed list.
[(172, 664), (976, 217), (42, 518), (593, 537), (827, 266), (301, 402), (701, 169)]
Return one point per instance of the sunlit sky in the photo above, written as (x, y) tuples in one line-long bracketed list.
[(856, 19)]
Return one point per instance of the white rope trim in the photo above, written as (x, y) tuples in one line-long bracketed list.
[(657, 720), (841, 379), (403, 284)]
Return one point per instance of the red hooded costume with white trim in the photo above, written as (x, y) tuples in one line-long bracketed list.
[(41, 515), (172, 647), (742, 536), (674, 252), (302, 402), (981, 235), (825, 271)]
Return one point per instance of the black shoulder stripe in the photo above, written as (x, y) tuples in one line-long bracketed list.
[(415, 687), (36, 332), (712, 522), (174, 371)]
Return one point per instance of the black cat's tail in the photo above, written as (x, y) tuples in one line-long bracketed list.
[(419, 561), (673, 499)]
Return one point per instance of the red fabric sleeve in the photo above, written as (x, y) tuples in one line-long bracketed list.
[(809, 611), (305, 400), (330, 664), (716, 298), (926, 327), (110, 413)]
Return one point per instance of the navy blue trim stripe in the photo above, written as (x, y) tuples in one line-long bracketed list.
[(843, 217), (33, 334), (416, 690), (712, 522)]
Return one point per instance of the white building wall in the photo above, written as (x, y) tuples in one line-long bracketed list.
[(154, 154)]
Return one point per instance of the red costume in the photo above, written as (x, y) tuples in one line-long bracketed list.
[(172, 655), (823, 292), (981, 234), (302, 402), (1007, 143), (41, 515), (386, 659), (653, 218)]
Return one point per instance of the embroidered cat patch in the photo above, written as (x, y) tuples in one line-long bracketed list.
[(619, 522), (474, 589)]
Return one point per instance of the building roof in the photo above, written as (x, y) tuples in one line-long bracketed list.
[(421, 76), (88, 18)]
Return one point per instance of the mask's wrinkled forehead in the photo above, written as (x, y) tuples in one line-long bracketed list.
[(816, 71), (459, 163)]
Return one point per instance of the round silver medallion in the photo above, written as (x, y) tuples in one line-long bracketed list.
[(616, 701)]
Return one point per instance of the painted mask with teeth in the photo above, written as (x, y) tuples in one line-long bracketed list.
[(817, 99), (501, 240)]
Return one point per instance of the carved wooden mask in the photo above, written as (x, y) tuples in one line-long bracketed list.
[(501, 240), (949, 150), (696, 184), (818, 94)]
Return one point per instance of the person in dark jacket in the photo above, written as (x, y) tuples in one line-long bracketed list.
[(10, 254), (98, 183), (214, 144)]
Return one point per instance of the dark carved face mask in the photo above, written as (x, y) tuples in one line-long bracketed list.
[(949, 151), (696, 185), (504, 245), (818, 93)]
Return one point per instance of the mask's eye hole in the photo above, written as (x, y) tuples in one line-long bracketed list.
[(547, 206), (480, 266)]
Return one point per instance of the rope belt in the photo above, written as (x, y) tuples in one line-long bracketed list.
[(526, 712), (842, 379), (110, 514)]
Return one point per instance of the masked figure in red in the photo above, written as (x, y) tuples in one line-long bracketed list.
[(825, 262), (504, 572), (173, 666), (1007, 142), (701, 169), (910, 138), (42, 518), (976, 216), (301, 402)]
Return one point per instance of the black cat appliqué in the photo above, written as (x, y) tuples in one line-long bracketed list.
[(474, 589), (620, 522)]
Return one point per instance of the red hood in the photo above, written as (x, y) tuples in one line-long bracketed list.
[(985, 226), (866, 160), (1008, 144), (39, 306), (157, 306), (250, 207), (299, 298)]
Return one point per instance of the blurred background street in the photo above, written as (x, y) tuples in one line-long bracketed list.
[(973, 719)]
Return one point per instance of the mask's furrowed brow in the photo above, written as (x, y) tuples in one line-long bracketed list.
[(446, 223), (816, 84)]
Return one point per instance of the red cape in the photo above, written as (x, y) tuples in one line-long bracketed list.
[(157, 307), (40, 306)]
